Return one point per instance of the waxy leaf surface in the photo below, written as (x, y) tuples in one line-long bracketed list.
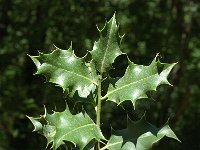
[(137, 80), (139, 135), (80, 79), (68, 71), (106, 49), (63, 126)]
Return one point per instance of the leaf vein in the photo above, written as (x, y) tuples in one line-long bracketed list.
[(75, 130), (74, 73), (104, 56), (117, 89), (109, 145)]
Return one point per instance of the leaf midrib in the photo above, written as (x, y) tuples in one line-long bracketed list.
[(83, 126), (128, 85), (108, 43), (109, 145), (73, 73)]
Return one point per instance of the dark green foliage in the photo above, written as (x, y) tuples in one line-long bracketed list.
[(63, 126), (74, 74), (139, 135), (169, 27)]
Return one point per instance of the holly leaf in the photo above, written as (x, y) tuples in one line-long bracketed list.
[(138, 80), (63, 126), (67, 70), (106, 49), (139, 135)]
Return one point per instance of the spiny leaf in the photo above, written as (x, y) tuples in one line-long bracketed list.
[(68, 71), (106, 49), (137, 80), (63, 126), (139, 135), (36, 123)]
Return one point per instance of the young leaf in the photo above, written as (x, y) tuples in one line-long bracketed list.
[(137, 80), (106, 49), (139, 135), (68, 71), (63, 126)]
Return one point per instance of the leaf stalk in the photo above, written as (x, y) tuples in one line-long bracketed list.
[(104, 97)]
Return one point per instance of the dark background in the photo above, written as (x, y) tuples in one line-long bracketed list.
[(170, 27)]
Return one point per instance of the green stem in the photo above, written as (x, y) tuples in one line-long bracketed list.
[(98, 113), (99, 103)]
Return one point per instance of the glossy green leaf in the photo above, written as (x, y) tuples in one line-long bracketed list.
[(79, 79), (67, 70), (139, 135), (63, 126), (137, 80), (106, 49)]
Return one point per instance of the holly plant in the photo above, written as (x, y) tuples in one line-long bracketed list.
[(85, 78)]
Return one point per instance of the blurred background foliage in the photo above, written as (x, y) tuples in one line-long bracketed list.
[(168, 27)]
